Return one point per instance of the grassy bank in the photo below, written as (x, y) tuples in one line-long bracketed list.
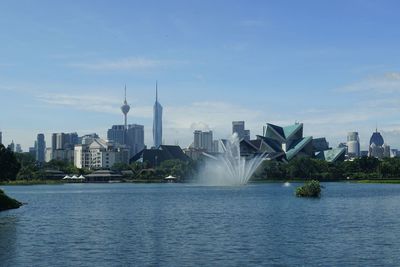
[(377, 181), (31, 182), (361, 181)]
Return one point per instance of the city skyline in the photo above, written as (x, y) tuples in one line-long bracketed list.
[(63, 65)]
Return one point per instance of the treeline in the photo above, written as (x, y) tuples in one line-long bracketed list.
[(23, 166), (308, 168), (143, 171)]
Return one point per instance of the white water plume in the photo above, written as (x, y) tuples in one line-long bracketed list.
[(229, 168)]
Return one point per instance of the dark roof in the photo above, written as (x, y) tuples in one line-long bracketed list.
[(274, 144), (277, 129), (156, 156), (377, 139), (250, 145), (256, 143), (174, 152)]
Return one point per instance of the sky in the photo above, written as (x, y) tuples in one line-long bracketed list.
[(332, 65)]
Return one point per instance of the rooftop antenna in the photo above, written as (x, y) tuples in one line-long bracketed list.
[(156, 91), (125, 93)]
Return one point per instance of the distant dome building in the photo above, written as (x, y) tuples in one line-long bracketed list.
[(376, 145), (376, 139)]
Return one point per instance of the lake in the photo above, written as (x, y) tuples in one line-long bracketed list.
[(188, 225)]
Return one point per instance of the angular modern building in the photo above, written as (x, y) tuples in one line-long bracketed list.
[(157, 122), (287, 143)]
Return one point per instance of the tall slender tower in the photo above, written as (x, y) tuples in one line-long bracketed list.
[(125, 109), (157, 121)]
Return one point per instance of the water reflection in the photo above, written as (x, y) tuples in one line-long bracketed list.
[(8, 238)]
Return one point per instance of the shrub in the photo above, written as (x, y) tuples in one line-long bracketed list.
[(309, 189)]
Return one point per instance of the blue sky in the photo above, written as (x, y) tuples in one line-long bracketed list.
[(333, 65)]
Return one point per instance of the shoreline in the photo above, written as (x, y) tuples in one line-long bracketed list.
[(158, 181)]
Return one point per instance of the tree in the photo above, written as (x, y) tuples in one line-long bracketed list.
[(9, 165)]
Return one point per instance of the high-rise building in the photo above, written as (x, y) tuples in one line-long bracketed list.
[(216, 144), (32, 151), (203, 140), (117, 133), (135, 138), (353, 144), (157, 122), (132, 137), (386, 151), (18, 148), (64, 140), (238, 127), (40, 148), (376, 145), (11, 146), (1, 137)]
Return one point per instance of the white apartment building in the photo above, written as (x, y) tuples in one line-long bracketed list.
[(99, 154)]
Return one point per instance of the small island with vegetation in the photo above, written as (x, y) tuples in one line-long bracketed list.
[(309, 189), (7, 203)]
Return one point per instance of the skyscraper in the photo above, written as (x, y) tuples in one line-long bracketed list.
[(353, 144), (203, 140), (239, 129), (1, 137), (157, 122), (40, 149), (18, 148), (376, 145), (11, 146), (132, 137), (64, 140)]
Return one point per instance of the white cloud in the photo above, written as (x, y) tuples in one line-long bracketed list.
[(94, 103), (386, 83), (133, 63), (180, 121)]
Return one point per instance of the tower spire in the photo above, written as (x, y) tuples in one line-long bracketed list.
[(125, 93), (156, 91)]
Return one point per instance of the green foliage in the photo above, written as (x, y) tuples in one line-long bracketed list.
[(309, 168), (9, 165), (120, 167), (180, 169), (7, 203), (309, 189)]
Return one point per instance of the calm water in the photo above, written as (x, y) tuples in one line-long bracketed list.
[(183, 225)]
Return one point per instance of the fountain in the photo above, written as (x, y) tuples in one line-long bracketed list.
[(229, 168)]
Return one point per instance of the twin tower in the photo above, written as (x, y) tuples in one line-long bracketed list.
[(157, 119)]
